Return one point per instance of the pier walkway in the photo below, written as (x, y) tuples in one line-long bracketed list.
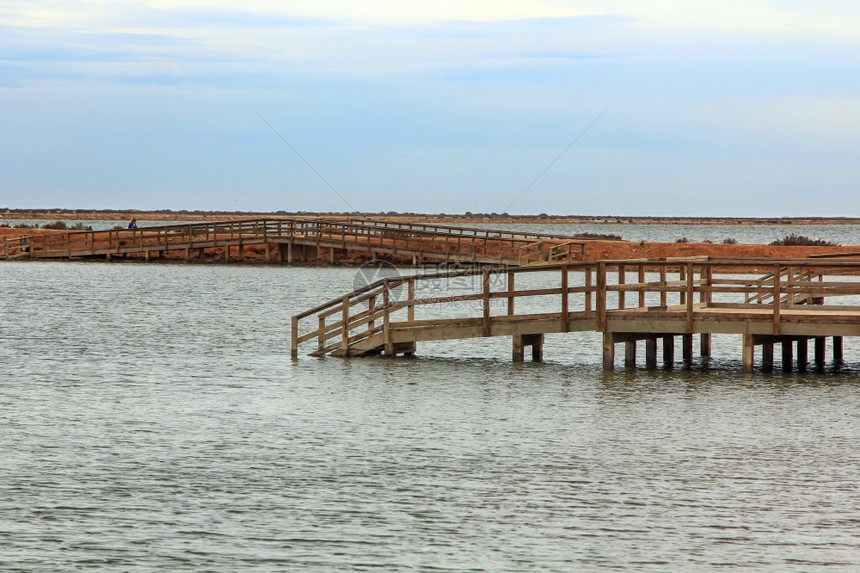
[(626, 301), (305, 240)]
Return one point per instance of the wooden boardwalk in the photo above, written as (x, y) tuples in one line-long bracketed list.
[(304, 240), (626, 301)]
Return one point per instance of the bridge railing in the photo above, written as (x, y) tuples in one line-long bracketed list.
[(479, 245), (439, 229), (595, 292)]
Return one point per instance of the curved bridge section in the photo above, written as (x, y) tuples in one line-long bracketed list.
[(302, 240)]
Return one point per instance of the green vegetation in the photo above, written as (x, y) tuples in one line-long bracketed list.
[(793, 240)]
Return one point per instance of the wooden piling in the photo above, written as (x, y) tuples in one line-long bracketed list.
[(820, 344), (767, 356), (787, 355), (608, 351), (802, 353), (748, 352), (668, 349), (705, 345), (687, 348), (837, 349), (651, 352), (630, 354)]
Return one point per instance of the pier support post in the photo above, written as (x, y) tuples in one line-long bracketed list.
[(608, 351), (519, 351), (787, 355), (819, 351), (668, 349), (227, 254), (241, 252), (537, 347), (520, 341), (837, 349), (630, 354), (146, 256), (687, 347), (705, 345), (651, 352), (188, 254), (748, 353), (268, 252), (767, 356), (802, 353)]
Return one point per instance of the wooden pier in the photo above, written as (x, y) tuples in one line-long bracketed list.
[(766, 302), (304, 240)]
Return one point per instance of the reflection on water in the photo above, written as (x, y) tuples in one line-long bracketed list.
[(152, 419)]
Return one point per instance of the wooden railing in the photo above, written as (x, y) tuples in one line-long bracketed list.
[(789, 275), (436, 241), (573, 296)]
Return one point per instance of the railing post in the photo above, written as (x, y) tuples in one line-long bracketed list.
[(789, 284), (689, 296), (622, 279), (601, 297), (776, 297), (486, 304), (565, 309), (410, 310), (294, 338), (386, 319), (642, 301), (321, 335), (682, 277), (344, 327), (371, 308), (588, 293), (664, 300)]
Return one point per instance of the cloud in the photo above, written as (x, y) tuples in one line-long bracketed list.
[(446, 106)]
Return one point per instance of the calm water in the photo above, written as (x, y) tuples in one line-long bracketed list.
[(152, 419)]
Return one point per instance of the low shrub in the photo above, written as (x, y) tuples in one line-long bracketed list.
[(793, 240), (682, 240), (606, 236), (56, 225), (730, 241)]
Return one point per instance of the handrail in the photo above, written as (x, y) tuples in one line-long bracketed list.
[(677, 286), (479, 245)]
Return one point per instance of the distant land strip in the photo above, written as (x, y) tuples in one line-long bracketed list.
[(8, 214)]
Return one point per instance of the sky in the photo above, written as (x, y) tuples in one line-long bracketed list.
[(747, 108)]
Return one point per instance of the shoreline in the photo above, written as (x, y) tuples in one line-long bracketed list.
[(9, 215)]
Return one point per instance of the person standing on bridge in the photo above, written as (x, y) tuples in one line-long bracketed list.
[(132, 224)]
